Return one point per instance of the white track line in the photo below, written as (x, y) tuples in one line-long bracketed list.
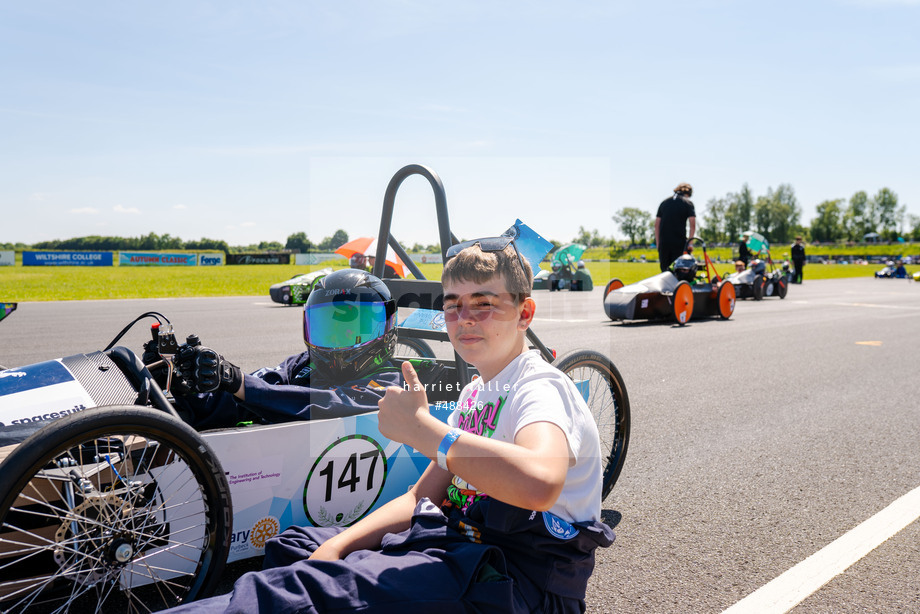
[(787, 590)]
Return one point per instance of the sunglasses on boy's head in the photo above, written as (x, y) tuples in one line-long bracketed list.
[(488, 244)]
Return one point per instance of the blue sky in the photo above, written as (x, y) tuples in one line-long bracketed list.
[(249, 121)]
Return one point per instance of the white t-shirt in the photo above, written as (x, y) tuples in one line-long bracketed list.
[(531, 390)]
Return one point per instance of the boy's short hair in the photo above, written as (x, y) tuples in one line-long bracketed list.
[(473, 264)]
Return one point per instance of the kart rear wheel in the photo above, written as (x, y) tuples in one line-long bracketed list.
[(683, 303), (757, 287), (612, 285), (116, 509), (781, 288), (410, 347), (599, 381), (726, 300)]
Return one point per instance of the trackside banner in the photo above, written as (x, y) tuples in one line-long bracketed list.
[(156, 259), (67, 258), (210, 259), (314, 258), (7, 258), (260, 258)]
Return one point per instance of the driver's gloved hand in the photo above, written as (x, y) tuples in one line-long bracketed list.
[(203, 370)]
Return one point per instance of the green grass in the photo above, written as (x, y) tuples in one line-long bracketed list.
[(18, 284)]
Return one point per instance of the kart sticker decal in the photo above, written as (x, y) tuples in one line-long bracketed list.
[(41, 392), (345, 481), (33, 376)]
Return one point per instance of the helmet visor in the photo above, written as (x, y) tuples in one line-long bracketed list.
[(345, 324)]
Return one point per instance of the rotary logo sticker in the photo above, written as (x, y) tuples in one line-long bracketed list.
[(262, 531)]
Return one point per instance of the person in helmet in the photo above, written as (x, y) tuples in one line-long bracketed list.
[(684, 268), (349, 327)]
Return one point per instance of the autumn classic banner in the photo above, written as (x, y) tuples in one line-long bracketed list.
[(156, 258)]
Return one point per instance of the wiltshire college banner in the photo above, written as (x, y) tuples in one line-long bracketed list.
[(67, 259), (156, 258)]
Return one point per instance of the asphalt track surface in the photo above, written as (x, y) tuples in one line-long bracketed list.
[(756, 442)]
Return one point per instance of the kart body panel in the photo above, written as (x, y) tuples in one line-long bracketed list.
[(328, 472)]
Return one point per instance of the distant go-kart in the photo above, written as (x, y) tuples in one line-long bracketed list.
[(760, 279), (683, 292), (892, 270), (296, 290), (568, 272)]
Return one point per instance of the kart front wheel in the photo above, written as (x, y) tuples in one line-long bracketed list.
[(612, 285), (757, 288), (726, 300), (683, 303), (116, 509), (781, 288), (603, 389)]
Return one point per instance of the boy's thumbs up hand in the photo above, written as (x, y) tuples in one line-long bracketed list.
[(404, 410)]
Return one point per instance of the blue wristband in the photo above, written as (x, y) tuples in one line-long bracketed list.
[(446, 443)]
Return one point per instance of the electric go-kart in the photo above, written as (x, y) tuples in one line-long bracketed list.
[(568, 272), (110, 502), (683, 292), (892, 270), (760, 279), (296, 290)]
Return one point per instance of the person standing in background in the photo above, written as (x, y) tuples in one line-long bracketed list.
[(671, 225), (798, 260)]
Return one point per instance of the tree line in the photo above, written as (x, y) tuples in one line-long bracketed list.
[(297, 242), (777, 214)]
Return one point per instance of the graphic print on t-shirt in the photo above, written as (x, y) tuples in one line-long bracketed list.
[(480, 419)]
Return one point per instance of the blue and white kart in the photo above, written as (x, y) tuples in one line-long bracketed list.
[(110, 502)]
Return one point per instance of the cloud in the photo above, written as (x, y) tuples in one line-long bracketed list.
[(37, 196), (180, 206), (120, 209), (247, 224), (85, 211)]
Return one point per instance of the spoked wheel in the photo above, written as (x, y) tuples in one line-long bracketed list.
[(410, 347), (683, 303), (602, 387), (781, 288), (120, 509), (726, 300), (612, 285), (757, 288)]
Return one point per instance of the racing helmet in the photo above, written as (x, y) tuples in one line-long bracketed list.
[(581, 264), (557, 266), (358, 261), (349, 324), (890, 263), (684, 268)]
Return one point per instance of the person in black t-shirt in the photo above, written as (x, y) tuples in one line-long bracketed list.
[(671, 225), (798, 260)]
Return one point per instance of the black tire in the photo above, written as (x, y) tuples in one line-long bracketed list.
[(781, 288), (98, 502), (609, 404), (410, 347), (757, 287)]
